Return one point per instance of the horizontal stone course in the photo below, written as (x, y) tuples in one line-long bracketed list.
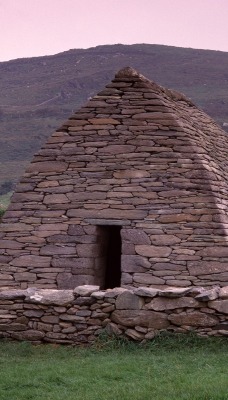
[(80, 315)]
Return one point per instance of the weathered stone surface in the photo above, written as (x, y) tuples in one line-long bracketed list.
[(89, 250), (50, 250), (178, 282), (47, 166), (34, 313), (12, 327), (31, 261), (112, 329), (147, 279), (220, 306), (25, 197), (10, 244), (128, 301), (146, 292), (148, 319), (108, 213), (131, 173), (177, 218), (136, 236), (4, 316), (223, 293), (153, 251), (207, 295), (86, 290), (86, 196), (52, 296), (51, 319), (163, 303), (66, 280), (98, 295), (56, 199), (29, 335), (13, 294), (214, 251), (15, 227), (164, 240), (150, 335), (206, 267), (133, 334), (116, 149), (104, 121), (134, 263), (25, 276), (73, 263), (193, 319), (174, 292), (113, 293), (76, 230), (153, 116), (44, 327)]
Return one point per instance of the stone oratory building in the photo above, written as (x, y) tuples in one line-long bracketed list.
[(130, 191)]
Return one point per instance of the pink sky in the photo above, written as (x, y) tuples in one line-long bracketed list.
[(41, 27)]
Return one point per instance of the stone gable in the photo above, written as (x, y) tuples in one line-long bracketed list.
[(130, 191)]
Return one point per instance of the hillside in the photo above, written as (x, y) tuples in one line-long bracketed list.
[(38, 94)]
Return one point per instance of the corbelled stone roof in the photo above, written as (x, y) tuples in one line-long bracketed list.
[(137, 156)]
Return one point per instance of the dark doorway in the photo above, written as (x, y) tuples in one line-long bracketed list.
[(113, 257)]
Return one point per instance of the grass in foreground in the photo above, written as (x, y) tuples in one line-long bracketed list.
[(168, 368)]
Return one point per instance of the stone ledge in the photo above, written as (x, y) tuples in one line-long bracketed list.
[(54, 296), (80, 315)]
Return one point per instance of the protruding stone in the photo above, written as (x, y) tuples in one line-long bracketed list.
[(86, 290), (127, 72), (207, 295), (223, 293), (146, 292), (52, 296), (174, 292), (99, 295), (128, 301), (113, 293)]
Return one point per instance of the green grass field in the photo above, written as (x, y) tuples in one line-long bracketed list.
[(168, 368)]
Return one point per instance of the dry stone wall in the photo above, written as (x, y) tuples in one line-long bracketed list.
[(135, 156), (79, 316)]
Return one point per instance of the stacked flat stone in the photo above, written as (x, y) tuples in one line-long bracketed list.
[(138, 156), (81, 315)]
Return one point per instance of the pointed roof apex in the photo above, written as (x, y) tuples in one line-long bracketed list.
[(127, 72)]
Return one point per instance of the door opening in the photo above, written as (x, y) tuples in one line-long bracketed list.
[(112, 270)]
